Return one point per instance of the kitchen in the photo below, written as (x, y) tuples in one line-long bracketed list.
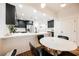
[(33, 21)]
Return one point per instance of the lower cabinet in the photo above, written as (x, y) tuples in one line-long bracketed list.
[(20, 43)]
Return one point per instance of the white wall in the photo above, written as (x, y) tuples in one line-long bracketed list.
[(2, 24), (2, 19), (3, 27)]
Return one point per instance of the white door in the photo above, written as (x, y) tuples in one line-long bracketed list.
[(66, 26)]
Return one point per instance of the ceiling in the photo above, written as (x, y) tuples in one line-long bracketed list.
[(51, 9), (56, 6), (70, 8)]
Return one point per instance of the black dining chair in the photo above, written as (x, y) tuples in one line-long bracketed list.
[(11, 53), (66, 53), (14, 52), (39, 37), (34, 51), (38, 51), (64, 37)]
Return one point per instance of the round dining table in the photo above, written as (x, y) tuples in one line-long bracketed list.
[(58, 43)]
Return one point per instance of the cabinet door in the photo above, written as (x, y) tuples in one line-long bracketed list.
[(69, 29), (10, 14)]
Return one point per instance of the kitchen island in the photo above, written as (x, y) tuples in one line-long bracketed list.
[(20, 41)]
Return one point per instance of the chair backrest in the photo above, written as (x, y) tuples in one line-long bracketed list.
[(14, 52), (38, 51), (11, 53), (34, 50), (64, 37), (40, 36), (52, 34)]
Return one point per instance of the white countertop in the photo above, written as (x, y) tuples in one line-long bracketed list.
[(21, 34), (58, 43)]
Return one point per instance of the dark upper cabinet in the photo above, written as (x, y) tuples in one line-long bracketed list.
[(29, 22), (20, 24), (51, 24), (23, 23), (10, 14)]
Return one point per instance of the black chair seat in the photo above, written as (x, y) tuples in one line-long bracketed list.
[(65, 53), (40, 36), (45, 53)]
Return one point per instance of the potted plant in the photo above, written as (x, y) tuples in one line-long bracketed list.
[(12, 28)]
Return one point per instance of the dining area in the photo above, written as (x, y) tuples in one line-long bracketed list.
[(54, 46), (30, 35)]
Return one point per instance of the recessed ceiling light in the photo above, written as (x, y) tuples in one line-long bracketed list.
[(20, 5), (34, 10), (62, 5), (22, 14), (44, 14), (43, 5)]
